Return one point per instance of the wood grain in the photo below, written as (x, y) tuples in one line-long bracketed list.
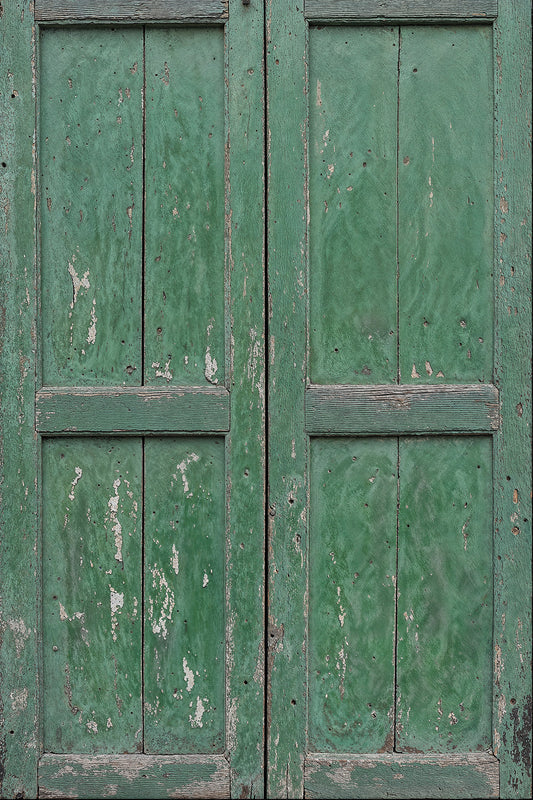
[(352, 566), (184, 218), (92, 595), (401, 409), (401, 10), (402, 775), (183, 10), (184, 581), (352, 205), (91, 160), (129, 411), (445, 595), (138, 776)]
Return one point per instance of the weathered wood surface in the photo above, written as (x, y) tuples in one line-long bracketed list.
[(401, 10), (352, 568), (183, 10), (445, 595), (184, 577), (287, 444), (512, 710), (92, 606), (401, 775), (19, 569), (91, 162), (246, 346), (445, 202), (399, 410), (132, 411), (353, 88), (184, 218), (138, 776)]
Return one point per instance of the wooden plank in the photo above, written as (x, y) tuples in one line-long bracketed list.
[(92, 605), (245, 457), (445, 195), (184, 580), (19, 570), (352, 567), (396, 410), (444, 644), (184, 226), (138, 776), (287, 444), (183, 10), (512, 446), (458, 775), (130, 411), (401, 10), (352, 205), (91, 205)]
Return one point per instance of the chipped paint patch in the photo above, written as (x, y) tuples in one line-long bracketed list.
[(77, 282), (116, 600), (196, 721), (116, 527), (79, 473), (166, 607), (162, 373), (175, 559), (91, 336), (20, 633), (211, 365), (182, 467), (19, 700), (92, 726), (189, 675)]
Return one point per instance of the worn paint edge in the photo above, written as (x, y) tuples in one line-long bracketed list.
[(131, 10), (402, 775), (455, 11), (402, 409), (128, 776), (132, 411)]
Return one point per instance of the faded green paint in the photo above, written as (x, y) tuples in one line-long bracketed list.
[(92, 595), (444, 669), (445, 201), (91, 163), (184, 229), (184, 573), (19, 570), (353, 91), (352, 566), (512, 709)]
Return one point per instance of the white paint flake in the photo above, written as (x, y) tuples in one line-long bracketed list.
[(414, 373), (342, 615), (79, 615), (91, 336), (430, 193), (196, 721), (92, 726), (453, 719), (205, 580), (189, 675), (79, 473), (166, 607), (162, 373), (429, 369), (77, 282), (109, 723), (182, 467), (211, 365), (116, 527), (19, 700), (175, 560), (116, 600)]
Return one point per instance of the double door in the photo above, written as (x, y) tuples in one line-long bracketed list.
[(258, 467)]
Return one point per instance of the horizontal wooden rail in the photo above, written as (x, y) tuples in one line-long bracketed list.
[(131, 776), (131, 10), (402, 775), (142, 410), (397, 410), (401, 10)]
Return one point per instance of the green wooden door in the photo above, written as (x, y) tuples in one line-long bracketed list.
[(397, 518), (265, 242), (149, 403)]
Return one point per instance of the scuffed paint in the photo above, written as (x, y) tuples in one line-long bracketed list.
[(182, 467), (189, 675), (116, 601), (165, 608), (116, 526), (175, 559), (211, 365)]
